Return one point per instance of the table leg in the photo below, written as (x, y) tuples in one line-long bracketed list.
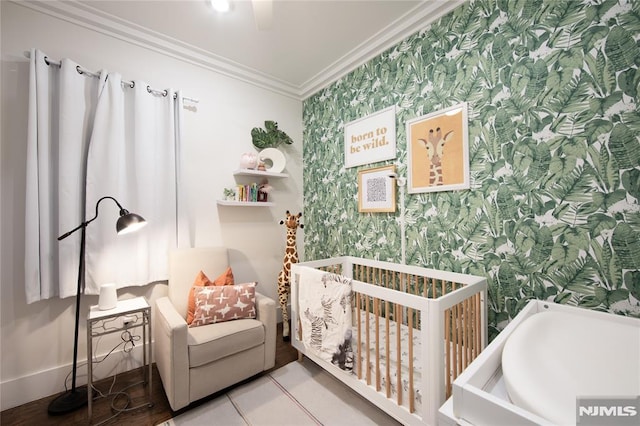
[(89, 371)]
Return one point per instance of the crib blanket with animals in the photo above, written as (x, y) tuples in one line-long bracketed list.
[(325, 315)]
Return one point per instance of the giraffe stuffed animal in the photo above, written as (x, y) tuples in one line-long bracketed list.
[(292, 222), (435, 150)]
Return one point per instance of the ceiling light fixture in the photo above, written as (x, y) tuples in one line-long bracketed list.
[(220, 5)]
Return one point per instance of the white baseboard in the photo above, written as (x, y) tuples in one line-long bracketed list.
[(44, 383)]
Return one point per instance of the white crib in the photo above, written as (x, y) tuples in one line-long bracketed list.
[(414, 331)]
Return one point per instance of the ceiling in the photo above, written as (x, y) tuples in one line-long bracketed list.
[(309, 44)]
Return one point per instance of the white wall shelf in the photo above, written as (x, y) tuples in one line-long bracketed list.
[(245, 203), (251, 172)]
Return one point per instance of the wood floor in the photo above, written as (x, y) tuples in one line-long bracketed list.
[(35, 413)]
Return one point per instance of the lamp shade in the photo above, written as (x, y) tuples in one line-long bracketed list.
[(108, 297), (129, 222)]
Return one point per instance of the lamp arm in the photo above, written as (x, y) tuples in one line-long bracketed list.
[(84, 224)]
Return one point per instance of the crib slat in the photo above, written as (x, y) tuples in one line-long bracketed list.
[(403, 288), (473, 327), (468, 337), (468, 331), (398, 356), (359, 331), (472, 323), (455, 342), (460, 328), (410, 325), (376, 301), (478, 333), (454, 335), (425, 289), (387, 351), (367, 336), (417, 293), (447, 347), (463, 346)]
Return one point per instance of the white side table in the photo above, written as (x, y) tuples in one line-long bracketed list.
[(137, 313)]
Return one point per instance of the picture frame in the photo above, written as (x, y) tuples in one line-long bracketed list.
[(438, 151), (370, 139), (377, 190)]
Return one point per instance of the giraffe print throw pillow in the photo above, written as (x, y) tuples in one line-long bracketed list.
[(224, 303)]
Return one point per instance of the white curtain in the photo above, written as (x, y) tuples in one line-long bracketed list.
[(61, 106), (38, 271), (132, 157), (78, 97), (89, 138)]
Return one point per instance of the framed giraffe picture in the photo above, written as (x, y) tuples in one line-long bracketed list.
[(438, 151), (377, 190)]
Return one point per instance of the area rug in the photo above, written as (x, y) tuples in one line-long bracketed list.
[(300, 393)]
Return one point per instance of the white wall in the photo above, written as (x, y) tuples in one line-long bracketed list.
[(36, 340)]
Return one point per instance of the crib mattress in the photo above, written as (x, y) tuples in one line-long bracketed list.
[(404, 371), (393, 340)]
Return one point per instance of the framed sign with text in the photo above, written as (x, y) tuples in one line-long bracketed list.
[(370, 139)]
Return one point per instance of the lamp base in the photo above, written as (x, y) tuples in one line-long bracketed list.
[(68, 401)]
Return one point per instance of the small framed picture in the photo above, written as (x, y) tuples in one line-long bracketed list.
[(438, 151), (377, 190)]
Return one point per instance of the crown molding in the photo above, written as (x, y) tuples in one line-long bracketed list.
[(410, 23), (96, 20), (121, 29)]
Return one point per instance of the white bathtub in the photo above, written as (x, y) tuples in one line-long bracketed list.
[(541, 362)]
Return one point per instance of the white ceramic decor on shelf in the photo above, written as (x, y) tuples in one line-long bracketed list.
[(275, 156), (248, 160)]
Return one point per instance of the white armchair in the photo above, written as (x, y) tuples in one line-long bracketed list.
[(196, 362)]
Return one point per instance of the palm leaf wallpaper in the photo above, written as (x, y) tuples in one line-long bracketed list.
[(553, 210)]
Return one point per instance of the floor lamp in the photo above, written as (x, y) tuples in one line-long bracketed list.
[(127, 222)]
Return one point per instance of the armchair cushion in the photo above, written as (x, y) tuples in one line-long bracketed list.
[(225, 303), (215, 341), (226, 278)]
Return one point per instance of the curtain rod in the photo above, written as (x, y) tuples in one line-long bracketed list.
[(128, 83)]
